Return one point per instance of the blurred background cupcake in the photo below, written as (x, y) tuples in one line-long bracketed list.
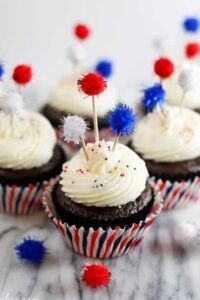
[(29, 156)]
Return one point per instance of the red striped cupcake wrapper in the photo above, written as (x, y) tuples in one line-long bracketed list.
[(101, 243), (21, 200), (178, 194)]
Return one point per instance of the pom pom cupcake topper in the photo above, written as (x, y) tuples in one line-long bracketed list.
[(188, 80), (121, 121), (93, 84), (104, 68), (31, 250), (153, 96), (191, 24), (163, 67), (1, 71), (192, 50), (22, 75), (96, 275), (82, 31), (74, 129), (11, 103)]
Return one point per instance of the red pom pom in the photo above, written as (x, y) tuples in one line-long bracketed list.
[(92, 84), (22, 74), (164, 67), (96, 275), (192, 50), (82, 31)]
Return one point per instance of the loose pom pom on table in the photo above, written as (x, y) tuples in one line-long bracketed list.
[(22, 74), (96, 275), (11, 103), (192, 50), (92, 84), (191, 24), (163, 67), (104, 68), (153, 96), (82, 31), (74, 129), (121, 120), (189, 79), (31, 250), (1, 70)]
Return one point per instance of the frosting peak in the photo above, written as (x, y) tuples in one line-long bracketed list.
[(107, 179), (175, 139)]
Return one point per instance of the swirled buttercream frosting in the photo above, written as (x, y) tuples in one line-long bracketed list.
[(107, 179), (65, 97), (27, 140), (174, 138)]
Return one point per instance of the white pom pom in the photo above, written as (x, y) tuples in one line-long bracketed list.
[(11, 103), (189, 79), (76, 54), (74, 129)]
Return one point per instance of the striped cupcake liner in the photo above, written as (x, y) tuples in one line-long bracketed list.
[(178, 194), (101, 243), (21, 200)]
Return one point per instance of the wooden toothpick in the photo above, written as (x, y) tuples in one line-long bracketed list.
[(85, 149), (96, 129), (116, 139)]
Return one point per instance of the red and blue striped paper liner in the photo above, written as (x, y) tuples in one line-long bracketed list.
[(178, 194), (102, 243), (21, 200)]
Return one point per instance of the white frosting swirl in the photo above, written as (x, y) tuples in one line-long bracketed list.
[(173, 139), (66, 97), (108, 179), (27, 140), (174, 91)]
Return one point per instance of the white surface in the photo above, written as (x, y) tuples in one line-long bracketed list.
[(156, 270), (39, 32)]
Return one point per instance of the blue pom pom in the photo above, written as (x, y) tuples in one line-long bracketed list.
[(122, 120), (191, 24), (31, 250), (153, 96), (104, 68), (1, 70)]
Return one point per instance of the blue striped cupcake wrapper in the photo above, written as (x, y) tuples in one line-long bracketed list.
[(21, 200), (101, 243), (178, 194)]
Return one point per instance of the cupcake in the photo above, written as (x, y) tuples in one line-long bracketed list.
[(29, 156), (168, 139), (102, 202), (65, 99)]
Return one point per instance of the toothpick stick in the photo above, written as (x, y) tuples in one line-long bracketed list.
[(116, 139), (182, 99), (96, 130), (85, 149), (160, 114)]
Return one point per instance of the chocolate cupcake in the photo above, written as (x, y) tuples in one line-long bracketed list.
[(103, 206), (29, 156), (169, 142)]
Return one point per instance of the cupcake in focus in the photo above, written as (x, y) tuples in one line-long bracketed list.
[(168, 139), (102, 203), (29, 156)]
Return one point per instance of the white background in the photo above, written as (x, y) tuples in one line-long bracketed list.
[(39, 31)]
